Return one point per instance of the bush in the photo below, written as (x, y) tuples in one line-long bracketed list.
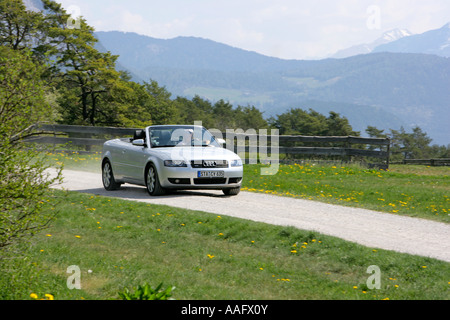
[(146, 292), (24, 179)]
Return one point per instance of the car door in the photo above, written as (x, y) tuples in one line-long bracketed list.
[(135, 159)]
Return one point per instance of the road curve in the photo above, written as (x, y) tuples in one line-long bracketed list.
[(373, 229)]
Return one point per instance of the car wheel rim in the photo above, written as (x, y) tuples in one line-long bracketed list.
[(106, 175), (151, 180)]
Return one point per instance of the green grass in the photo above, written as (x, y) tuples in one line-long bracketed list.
[(121, 244), (415, 191)]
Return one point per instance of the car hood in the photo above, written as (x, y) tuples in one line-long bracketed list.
[(195, 153)]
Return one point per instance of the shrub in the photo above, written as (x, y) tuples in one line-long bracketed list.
[(146, 292)]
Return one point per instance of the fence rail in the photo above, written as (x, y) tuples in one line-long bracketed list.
[(83, 136), (428, 162)]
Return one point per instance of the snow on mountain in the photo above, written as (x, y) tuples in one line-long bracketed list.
[(387, 37), (431, 42)]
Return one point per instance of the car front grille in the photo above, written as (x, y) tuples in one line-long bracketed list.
[(210, 181), (209, 164)]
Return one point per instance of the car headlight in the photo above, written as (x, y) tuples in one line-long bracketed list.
[(236, 163), (175, 163)]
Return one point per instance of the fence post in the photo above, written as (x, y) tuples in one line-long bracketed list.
[(388, 152)]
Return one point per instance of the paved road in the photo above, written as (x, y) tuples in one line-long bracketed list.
[(369, 228)]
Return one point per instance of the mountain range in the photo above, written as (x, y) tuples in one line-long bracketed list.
[(382, 89), (400, 79)]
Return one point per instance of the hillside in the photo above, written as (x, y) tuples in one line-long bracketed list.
[(386, 90)]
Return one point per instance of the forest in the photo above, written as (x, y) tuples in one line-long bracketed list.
[(53, 70)]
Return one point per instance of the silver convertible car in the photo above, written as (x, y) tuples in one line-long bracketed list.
[(171, 157)]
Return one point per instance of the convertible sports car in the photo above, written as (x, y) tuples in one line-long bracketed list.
[(171, 157)]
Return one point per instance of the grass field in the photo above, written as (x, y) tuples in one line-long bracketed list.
[(120, 244), (415, 191)]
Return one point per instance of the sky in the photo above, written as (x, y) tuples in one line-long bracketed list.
[(287, 29)]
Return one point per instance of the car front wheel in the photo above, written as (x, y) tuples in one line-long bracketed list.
[(152, 182)]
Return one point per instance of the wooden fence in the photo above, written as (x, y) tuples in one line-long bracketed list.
[(428, 162), (310, 145)]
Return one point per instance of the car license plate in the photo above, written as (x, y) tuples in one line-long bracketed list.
[(211, 174)]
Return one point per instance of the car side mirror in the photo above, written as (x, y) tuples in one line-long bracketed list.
[(139, 142)]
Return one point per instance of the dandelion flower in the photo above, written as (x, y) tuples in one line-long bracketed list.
[(33, 296)]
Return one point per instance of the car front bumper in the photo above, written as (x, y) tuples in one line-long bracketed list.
[(188, 178)]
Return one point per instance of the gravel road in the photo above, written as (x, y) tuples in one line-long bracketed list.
[(369, 228)]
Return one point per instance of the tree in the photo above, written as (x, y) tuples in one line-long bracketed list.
[(415, 145), (250, 118), (86, 75), (24, 180), (19, 28), (337, 126)]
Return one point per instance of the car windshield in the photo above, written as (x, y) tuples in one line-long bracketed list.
[(181, 136)]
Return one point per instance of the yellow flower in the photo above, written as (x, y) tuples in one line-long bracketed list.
[(33, 296), (78, 237), (48, 235), (49, 296)]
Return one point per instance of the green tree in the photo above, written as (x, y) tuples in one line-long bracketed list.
[(19, 28), (24, 180), (250, 118), (86, 76), (301, 122), (338, 126), (162, 108), (373, 132), (414, 145)]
